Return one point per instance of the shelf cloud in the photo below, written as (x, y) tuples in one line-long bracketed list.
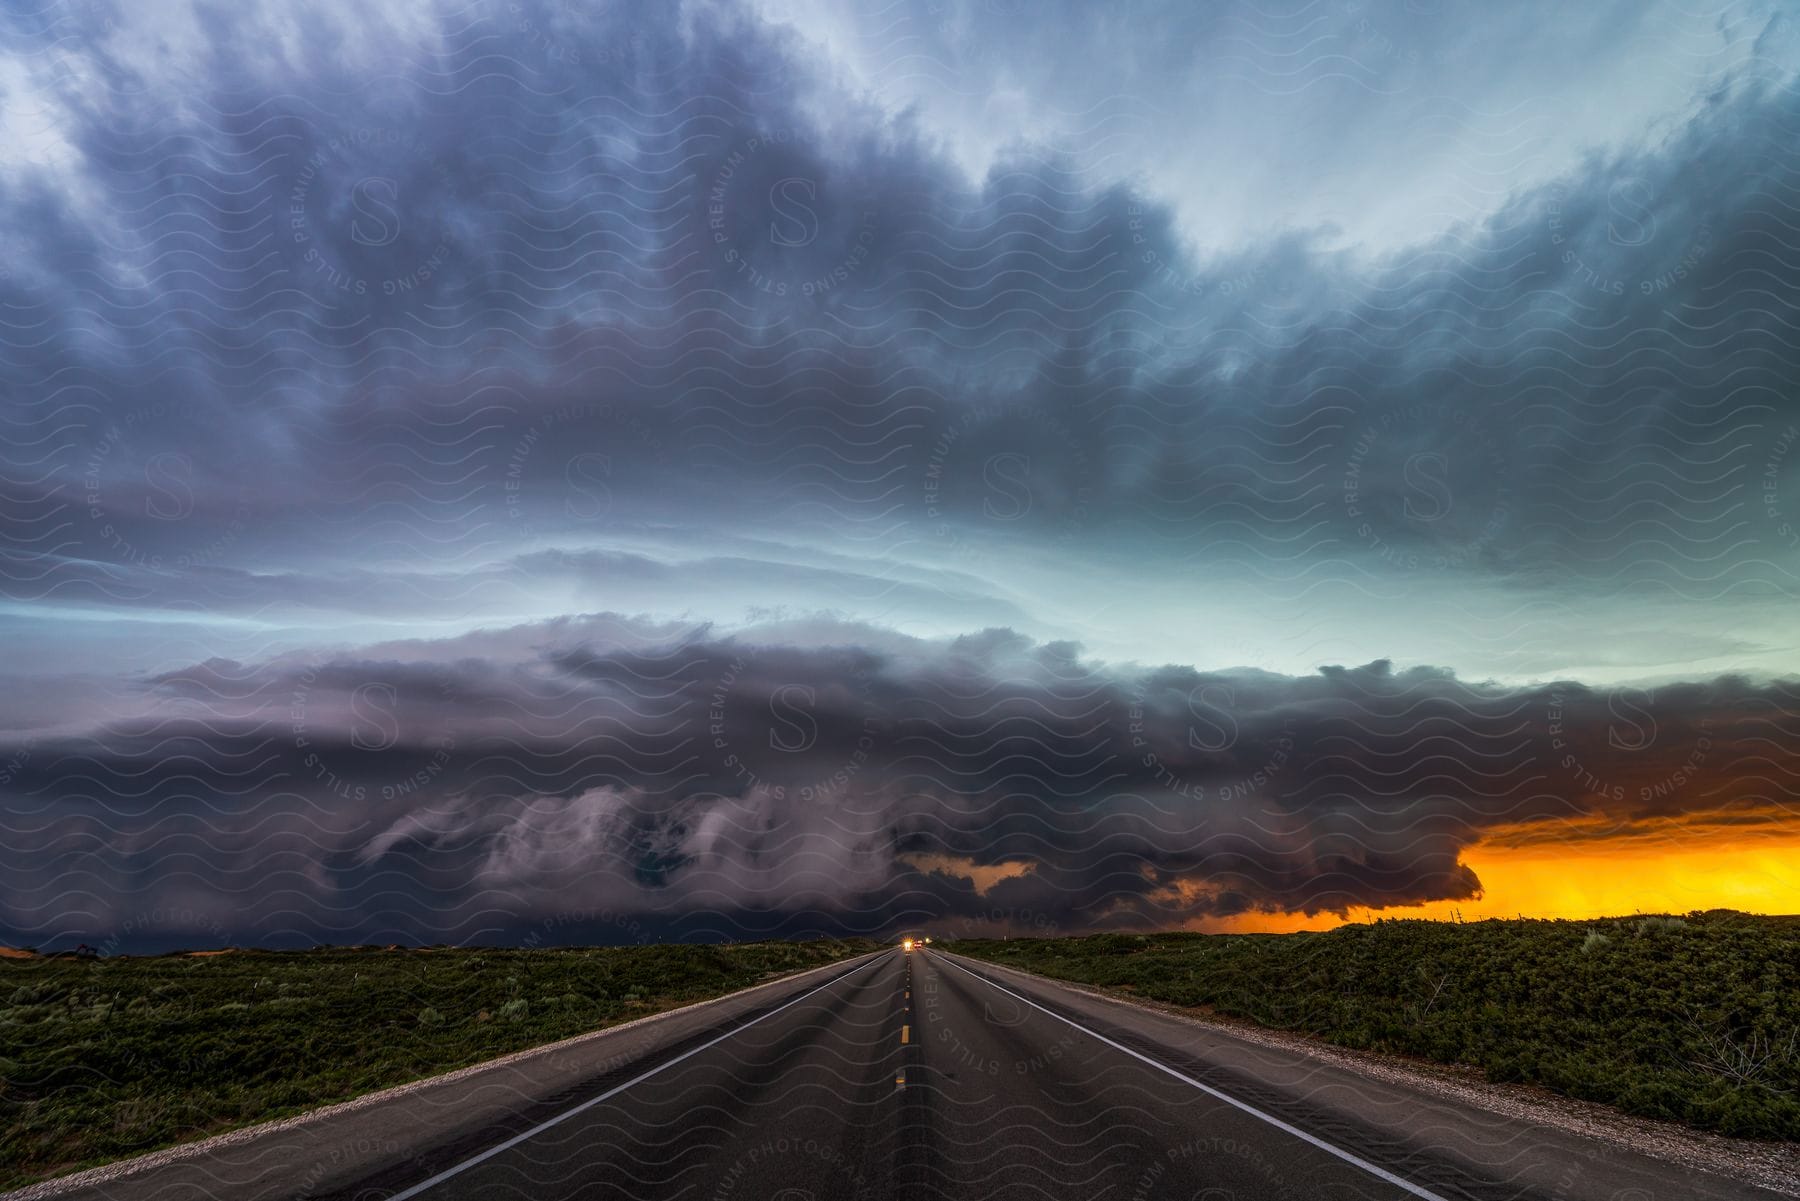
[(476, 465)]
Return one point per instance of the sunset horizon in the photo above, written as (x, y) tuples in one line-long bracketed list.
[(900, 600)]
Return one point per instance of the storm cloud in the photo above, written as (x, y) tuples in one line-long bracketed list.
[(708, 785), (354, 359)]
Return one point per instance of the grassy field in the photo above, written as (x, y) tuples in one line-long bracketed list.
[(1695, 1019), (105, 1058)]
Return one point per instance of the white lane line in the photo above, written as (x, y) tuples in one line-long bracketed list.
[(566, 1114), (1271, 1119)]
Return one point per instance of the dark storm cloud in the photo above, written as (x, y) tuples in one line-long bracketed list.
[(689, 783), (462, 314), (305, 301)]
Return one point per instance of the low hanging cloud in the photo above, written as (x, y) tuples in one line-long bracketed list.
[(611, 778), (325, 322)]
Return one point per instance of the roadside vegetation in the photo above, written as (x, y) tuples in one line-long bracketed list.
[(1694, 1018), (102, 1058)]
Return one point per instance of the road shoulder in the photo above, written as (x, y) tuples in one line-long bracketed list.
[(1766, 1165), (309, 1153)]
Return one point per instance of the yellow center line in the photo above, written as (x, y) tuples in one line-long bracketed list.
[(905, 1035)]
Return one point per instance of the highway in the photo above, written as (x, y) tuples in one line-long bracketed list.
[(922, 1075)]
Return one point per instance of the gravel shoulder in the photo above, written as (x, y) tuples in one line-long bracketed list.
[(1762, 1164), (311, 1153)]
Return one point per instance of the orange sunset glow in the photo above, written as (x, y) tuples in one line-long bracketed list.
[(1757, 874)]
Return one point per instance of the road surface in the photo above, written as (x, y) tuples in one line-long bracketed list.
[(921, 1075)]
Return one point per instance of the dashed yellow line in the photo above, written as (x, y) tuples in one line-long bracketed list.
[(905, 1035)]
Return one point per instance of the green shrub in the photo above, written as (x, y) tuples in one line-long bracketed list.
[(118, 1057), (1695, 1019)]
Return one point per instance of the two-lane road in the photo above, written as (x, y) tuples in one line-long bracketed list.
[(921, 1075)]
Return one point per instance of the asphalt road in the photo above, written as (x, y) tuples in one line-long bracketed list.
[(925, 1075)]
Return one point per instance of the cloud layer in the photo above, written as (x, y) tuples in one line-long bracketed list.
[(351, 356), (704, 785)]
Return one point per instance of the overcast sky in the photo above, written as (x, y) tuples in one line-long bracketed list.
[(796, 465)]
